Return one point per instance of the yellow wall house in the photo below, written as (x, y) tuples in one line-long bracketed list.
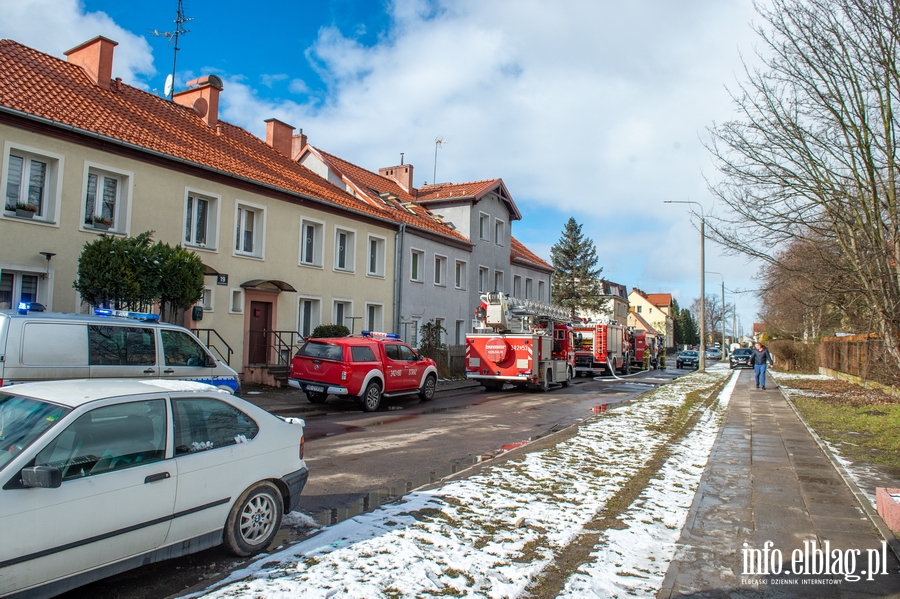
[(85, 154), (654, 308)]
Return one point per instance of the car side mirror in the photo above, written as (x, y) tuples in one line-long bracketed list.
[(210, 361), (45, 477)]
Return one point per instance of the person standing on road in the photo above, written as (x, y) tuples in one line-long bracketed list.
[(760, 358)]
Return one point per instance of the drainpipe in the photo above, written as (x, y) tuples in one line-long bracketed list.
[(398, 276)]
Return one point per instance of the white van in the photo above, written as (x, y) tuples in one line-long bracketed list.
[(41, 346)]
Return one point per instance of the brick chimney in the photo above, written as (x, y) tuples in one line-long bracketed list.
[(203, 99), (279, 136), (298, 142), (402, 174), (95, 57)]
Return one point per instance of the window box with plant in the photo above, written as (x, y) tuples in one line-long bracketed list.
[(99, 222), (24, 210)]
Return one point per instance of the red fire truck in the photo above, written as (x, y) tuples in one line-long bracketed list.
[(601, 348), (646, 349), (523, 342)]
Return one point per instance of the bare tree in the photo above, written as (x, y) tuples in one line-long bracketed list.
[(714, 316), (811, 155)]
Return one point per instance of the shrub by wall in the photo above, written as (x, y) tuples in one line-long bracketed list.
[(794, 355)]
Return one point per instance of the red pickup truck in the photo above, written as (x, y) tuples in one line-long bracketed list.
[(368, 366)]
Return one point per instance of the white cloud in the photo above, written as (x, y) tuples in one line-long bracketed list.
[(584, 108), (55, 26)]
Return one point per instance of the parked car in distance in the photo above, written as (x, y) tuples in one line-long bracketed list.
[(688, 359), (368, 366), (713, 353), (740, 358), (98, 476)]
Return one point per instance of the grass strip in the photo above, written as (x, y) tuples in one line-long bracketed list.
[(569, 559)]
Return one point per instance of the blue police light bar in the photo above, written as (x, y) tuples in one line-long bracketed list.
[(22, 308), (126, 314), (376, 334)]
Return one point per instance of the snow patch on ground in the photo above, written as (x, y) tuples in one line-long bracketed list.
[(492, 534)]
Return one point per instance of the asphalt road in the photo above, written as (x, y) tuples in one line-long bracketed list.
[(359, 460)]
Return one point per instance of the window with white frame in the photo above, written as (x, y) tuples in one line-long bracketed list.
[(414, 332), (249, 230), (499, 232), (541, 297), (206, 300), (460, 332), (309, 315), (417, 266), (498, 280), (201, 211), (517, 286), (312, 236), (482, 279), (106, 198), (441, 330), (460, 275), (237, 301), (440, 270), (529, 288), (344, 249), (484, 226), (18, 287), (31, 182), (376, 255), (374, 317), (342, 313)]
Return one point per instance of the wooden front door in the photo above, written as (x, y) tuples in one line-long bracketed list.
[(260, 332)]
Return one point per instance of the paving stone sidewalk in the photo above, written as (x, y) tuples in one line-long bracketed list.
[(767, 480)]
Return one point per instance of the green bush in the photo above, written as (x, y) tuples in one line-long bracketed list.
[(794, 355), (329, 330)]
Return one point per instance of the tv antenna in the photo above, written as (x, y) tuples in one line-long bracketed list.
[(438, 142), (180, 20)]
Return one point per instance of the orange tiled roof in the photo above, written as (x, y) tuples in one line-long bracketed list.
[(660, 299), (403, 209), (521, 254), (38, 84), (452, 191)]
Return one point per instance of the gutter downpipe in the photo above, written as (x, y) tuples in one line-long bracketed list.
[(398, 276)]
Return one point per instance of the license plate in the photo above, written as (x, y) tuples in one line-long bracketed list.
[(315, 388)]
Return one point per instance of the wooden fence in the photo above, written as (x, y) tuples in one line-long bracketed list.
[(862, 356), (451, 362)]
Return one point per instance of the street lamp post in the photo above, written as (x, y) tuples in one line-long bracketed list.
[(702, 366), (723, 307)]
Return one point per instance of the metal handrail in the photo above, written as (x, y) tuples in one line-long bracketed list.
[(284, 344), (206, 332)]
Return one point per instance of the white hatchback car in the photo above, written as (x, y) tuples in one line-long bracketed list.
[(99, 476)]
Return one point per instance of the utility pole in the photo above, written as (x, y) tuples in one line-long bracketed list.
[(702, 363)]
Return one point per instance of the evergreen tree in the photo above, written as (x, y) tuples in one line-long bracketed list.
[(576, 284), (677, 328), (691, 334)]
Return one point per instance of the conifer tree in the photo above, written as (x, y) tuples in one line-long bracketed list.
[(576, 284)]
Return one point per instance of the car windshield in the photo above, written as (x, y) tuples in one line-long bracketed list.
[(22, 420), (689, 354), (317, 349), (742, 352)]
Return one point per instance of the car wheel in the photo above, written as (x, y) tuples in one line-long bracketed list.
[(371, 398), (316, 396), (544, 385), (426, 393), (568, 377), (254, 520)]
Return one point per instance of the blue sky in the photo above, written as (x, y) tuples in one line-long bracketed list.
[(588, 108)]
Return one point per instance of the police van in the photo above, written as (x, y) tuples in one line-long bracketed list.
[(40, 346)]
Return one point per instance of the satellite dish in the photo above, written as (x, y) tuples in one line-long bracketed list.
[(167, 90)]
